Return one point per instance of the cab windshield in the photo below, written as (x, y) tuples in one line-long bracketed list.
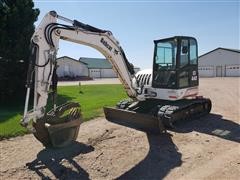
[(165, 57)]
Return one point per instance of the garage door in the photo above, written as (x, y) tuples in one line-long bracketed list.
[(66, 70), (108, 73), (95, 73), (206, 71), (233, 70), (219, 71)]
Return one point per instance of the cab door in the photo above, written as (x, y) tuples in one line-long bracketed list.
[(188, 63)]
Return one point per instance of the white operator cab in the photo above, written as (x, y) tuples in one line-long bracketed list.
[(175, 70)]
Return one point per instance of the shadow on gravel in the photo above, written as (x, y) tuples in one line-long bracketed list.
[(163, 156), (60, 162), (213, 124)]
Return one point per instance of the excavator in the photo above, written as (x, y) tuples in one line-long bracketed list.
[(159, 98)]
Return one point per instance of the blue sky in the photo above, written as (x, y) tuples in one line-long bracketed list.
[(137, 23)]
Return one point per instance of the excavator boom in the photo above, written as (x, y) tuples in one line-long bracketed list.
[(44, 47)]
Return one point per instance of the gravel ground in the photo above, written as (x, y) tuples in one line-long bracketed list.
[(206, 148)]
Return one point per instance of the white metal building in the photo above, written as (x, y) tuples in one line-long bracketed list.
[(98, 67), (85, 67), (220, 62), (70, 67)]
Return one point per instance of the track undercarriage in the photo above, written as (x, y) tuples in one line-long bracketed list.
[(157, 115)]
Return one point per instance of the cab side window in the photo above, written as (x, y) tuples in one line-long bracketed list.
[(184, 61), (193, 52), (184, 53)]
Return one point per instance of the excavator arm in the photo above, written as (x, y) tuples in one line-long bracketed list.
[(44, 45)]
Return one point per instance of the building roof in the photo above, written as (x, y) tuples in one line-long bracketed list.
[(99, 63), (67, 57), (227, 49)]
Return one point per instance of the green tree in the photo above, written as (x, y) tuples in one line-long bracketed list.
[(17, 19)]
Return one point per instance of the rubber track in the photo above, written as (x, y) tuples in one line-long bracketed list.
[(171, 114)]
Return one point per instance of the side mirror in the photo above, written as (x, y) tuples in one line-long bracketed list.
[(184, 50)]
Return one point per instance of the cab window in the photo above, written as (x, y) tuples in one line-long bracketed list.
[(184, 53), (193, 52), (166, 54)]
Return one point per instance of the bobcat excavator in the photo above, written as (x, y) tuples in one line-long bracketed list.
[(159, 97)]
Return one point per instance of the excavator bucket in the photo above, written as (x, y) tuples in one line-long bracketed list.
[(134, 120), (64, 133), (59, 127)]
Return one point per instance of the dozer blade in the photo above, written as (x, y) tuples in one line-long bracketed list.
[(134, 120)]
